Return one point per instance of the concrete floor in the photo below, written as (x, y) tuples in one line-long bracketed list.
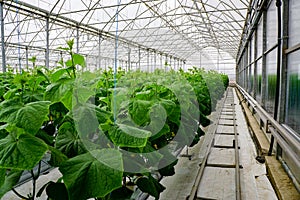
[(255, 184)]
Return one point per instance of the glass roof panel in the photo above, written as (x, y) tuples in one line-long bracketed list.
[(177, 28)]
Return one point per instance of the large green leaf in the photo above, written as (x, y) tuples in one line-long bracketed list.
[(168, 105), (58, 74), (78, 60), (57, 191), (128, 136), (21, 150), (68, 140), (150, 186), (82, 93), (32, 115), (85, 118), (8, 181), (57, 157), (8, 110), (139, 111), (61, 91), (93, 174)]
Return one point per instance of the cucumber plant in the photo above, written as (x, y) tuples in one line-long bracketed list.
[(103, 134)]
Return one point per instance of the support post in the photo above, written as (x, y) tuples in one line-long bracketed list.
[(284, 77), (154, 60), (47, 43), (26, 54), (2, 38), (148, 60), (99, 51), (77, 39), (264, 62), (129, 62), (161, 63), (139, 58), (255, 66)]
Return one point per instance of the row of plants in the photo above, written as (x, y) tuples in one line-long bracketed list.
[(106, 131)]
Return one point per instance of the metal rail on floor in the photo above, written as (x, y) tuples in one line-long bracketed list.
[(227, 109), (288, 140)]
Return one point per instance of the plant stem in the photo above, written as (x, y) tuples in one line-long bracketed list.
[(73, 65), (34, 178), (18, 194), (33, 184)]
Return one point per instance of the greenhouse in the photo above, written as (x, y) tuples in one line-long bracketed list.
[(140, 99)]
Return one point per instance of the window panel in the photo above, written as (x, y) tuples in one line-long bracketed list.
[(252, 79), (259, 39), (294, 23), (293, 101), (271, 81), (259, 80), (271, 26)]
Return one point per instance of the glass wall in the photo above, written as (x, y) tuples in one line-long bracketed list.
[(271, 25), (293, 104), (259, 80), (294, 23), (265, 61), (259, 39), (293, 68), (271, 81)]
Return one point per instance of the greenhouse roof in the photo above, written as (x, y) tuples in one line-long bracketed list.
[(176, 28)]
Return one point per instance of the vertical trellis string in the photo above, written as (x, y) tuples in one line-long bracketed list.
[(18, 31), (116, 61)]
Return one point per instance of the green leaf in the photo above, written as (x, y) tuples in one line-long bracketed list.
[(48, 139), (85, 119), (69, 64), (150, 186), (128, 136), (68, 140), (168, 170), (122, 193), (139, 111), (94, 174), (82, 94), (70, 44), (32, 115), (61, 91), (57, 191), (78, 60), (57, 157), (2, 175), (10, 93), (21, 150), (8, 110), (168, 105), (8, 181), (58, 74)]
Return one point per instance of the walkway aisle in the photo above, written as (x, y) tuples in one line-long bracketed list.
[(227, 162)]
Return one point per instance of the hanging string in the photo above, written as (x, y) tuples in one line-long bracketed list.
[(18, 32), (116, 61)]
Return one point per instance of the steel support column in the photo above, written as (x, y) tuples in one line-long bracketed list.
[(154, 60), (284, 63), (26, 54), (255, 65), (129, 62), (264, 61), (99, 52), (77, 39), (161, 63), (139, 58), (47, 44), (2, 38), (148, 60)]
